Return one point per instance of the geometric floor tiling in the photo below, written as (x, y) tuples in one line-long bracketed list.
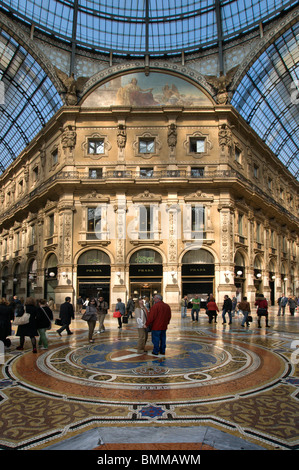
[(218, 387)]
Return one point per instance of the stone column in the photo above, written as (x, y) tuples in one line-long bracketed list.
[(118, 274), (225, 269), (65, 250)]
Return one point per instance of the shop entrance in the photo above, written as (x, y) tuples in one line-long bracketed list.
[(93, 273), (145, 289), (146, 272), (93, 288)]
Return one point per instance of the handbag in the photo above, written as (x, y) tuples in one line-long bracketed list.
[(262, 311), (125, 319), (249, 318), (58, 322), (87, 316), (23, 320), (116, 314)]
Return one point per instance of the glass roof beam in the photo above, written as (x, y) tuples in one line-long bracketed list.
[(220, 36), (74, 37)]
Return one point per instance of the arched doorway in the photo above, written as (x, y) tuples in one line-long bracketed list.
[(4, 281), (240, 275), (93, 275), (31, 277), (272, 282), (51, 280), (146, 273), (17, 279), (258, 282), (198, 274)]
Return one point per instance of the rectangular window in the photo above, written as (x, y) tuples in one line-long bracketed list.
[(146, 172), (35, 173), (54, 157), (96, 146), (147, 145), (258, 233), (145, 222), (238, 155), (240, 224), (17, 241), (197, 145), (255, 171), (197, 222), (270, 183), (51, 225), (32, 236), (94, 222), (197, 172), (95, 173), (21, 186), (272, 239)]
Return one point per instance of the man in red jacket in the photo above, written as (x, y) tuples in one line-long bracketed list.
[(158, 320)]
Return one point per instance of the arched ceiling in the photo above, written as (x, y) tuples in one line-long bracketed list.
[(266, 96), (142, 27)]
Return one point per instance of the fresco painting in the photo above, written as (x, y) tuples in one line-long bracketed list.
[(156, 89)]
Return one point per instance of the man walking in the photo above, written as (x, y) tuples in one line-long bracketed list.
[(227, 308), (195, 307), (66, 315), (158, 320), (102, 312)]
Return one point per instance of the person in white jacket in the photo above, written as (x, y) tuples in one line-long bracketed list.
[(141, 314)]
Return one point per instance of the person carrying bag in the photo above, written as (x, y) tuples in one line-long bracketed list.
[(44, 317), (90, 316)]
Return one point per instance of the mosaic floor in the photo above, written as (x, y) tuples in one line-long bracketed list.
[(218, 387)]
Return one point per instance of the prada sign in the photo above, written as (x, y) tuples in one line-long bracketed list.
[(146, 270), (198, 270), (93, 270)]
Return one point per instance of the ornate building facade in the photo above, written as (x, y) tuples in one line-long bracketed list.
[(146, 180), (148, 185)]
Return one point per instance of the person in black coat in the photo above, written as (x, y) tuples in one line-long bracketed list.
[(30, 329), (6, 316), (44, 317), (66, 315)]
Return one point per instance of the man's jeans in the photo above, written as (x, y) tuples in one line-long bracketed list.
[(196, 310), (229, 314), (245, 318), (159, 341)]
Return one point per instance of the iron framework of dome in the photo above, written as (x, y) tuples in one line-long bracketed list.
[(150, 27)]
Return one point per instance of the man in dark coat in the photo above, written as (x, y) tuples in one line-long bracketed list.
[(66, 315)]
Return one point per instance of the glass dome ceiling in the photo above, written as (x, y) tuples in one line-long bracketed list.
[(138, 27), (141, 27)]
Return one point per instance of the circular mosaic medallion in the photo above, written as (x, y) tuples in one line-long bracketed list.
[(202, 366)]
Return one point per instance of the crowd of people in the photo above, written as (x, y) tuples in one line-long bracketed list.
[(39, 318), (231, 306), (148, 318)]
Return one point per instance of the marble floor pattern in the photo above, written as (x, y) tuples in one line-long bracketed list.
[(218, 387)]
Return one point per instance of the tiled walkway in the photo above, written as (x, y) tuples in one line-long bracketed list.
[(218, 387)]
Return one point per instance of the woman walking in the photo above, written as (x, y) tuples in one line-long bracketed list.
[(91, 317), (44, 316), (120, 307), (30, 329)]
